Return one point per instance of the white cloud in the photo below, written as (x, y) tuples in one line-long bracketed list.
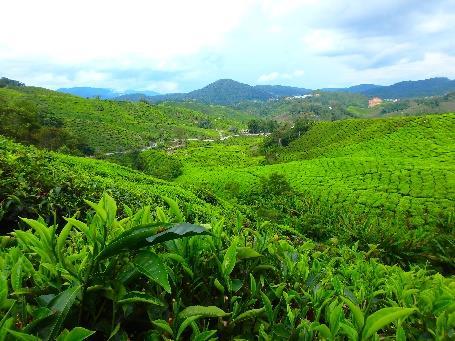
[(163, 87), (268, 77), (433, 64), (273, 76), (115, 32)]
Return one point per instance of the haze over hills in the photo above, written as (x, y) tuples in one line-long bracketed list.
[(409, 89), (355, 89), (103, 93), (229, 92)]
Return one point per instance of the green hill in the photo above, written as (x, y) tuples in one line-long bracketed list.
[(34, 182), (108, 126), (398, 172)]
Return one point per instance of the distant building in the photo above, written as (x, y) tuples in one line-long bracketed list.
[(374, 102)]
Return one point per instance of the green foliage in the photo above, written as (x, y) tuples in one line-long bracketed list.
[(69, 288), (159, 164), (105, 125), (262, 126)]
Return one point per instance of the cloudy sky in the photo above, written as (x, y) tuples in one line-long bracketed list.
[(172, 46)]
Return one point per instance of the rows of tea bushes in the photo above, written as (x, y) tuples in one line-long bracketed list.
[(422, 137), (393, 177), (34, 182), (145, 278)]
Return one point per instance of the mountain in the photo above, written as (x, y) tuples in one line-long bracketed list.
[(103, 93), (428, 87), (283, 91), (356, 89), (225, 92), (228, 91)]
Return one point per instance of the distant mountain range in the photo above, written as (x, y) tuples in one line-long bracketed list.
[(356, 89), (228, 91), (105, 93)]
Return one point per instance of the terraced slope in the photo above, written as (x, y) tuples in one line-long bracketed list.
[(41, 182), (399, 169)]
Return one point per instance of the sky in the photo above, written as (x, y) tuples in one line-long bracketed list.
[(178, 46)]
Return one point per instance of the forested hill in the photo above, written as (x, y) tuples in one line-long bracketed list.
[(52, 120), (409, 89)]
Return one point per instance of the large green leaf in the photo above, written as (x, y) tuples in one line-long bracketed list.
[(356, 312), (23, 336), (150, 264), (176, 232), (185, 324), (230, 258), (204, 336), (163, 325), (61, 305), (249, 314), (139, 297), (44, 232), (382, 318), (132, 239), (247, 252), (209, 311)]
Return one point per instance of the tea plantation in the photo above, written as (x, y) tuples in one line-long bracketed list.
[(347, 233)]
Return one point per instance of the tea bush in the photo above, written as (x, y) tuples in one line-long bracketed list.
[(144, 279)]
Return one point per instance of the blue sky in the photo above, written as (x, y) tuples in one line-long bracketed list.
[(173, 46)]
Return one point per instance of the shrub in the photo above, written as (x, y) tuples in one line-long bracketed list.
[(159, 164)]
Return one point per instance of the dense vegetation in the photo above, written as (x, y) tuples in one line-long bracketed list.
[(321, 230), (110, 126)]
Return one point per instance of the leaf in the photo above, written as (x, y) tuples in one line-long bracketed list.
[(78, 334), (43, 231), (132, 239), (268, 307), (229, 258), (218, 285), (246, 252), (174, 209), (176, 232), (349, 331), (204, 336), (253, 313), (203, 311), (185, 324), (98, 209), (61, 305), (16, 275), (81, 227), (382, 318), (323, 330), (163, 325), (61, 240), (139, 297), (356, 312), (23, 336), (150, 264)]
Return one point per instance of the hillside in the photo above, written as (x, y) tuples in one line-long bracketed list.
[(40, 182), (356, 89), (283, 91), (400, 169), (410, 89), (109, 126)]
